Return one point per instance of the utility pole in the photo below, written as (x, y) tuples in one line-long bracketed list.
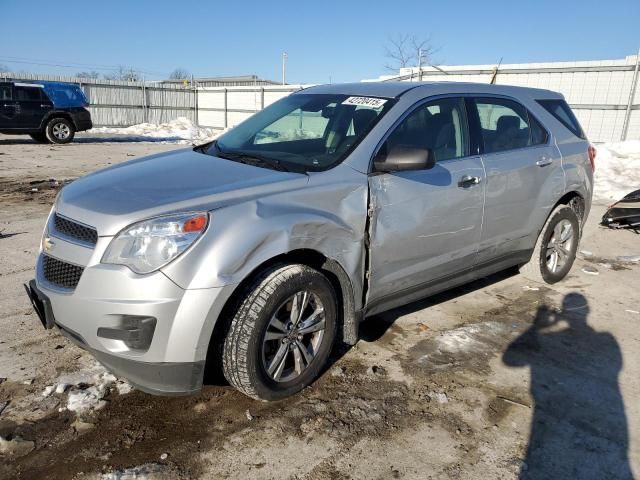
[(420, 64), (284, 68)]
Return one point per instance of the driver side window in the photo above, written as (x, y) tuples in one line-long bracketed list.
[(438, 126)]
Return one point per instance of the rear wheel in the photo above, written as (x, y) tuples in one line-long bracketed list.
[(60, 130), (556, 248), (39, 137), (281, 335)]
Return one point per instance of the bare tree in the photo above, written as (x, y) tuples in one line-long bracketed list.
[(405, 50), (92, 74), (179, 74), (127, 74)]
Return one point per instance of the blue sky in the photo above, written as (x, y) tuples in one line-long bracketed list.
[(337, 40)]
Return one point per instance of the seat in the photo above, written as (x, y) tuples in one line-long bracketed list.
[(508, 134), (362, 119), (442, 141)]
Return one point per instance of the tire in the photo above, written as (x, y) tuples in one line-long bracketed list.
[(39, 137), (60, 130), (250, 359), (541, 266)]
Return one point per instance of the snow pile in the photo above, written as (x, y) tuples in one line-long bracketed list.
[(87, 388), (180, 130), (617, 170)]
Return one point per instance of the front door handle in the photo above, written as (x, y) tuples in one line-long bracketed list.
[(468, 181), (544, 161), (44, 105)]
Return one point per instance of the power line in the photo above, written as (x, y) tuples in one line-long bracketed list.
[(73, 65)]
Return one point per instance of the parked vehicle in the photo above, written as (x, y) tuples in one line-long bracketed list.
[(259, 250), (47, 111), (624, 213)]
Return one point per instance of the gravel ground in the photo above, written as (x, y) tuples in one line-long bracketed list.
[(499, 379)]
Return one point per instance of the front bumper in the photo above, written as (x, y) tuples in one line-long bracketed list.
[(97, 314)]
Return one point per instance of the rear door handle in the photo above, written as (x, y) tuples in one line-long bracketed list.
[(468, 181), (44, 105), (544, 161)]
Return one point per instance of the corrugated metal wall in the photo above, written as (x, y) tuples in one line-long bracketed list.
[(598, 91), (224, 107)]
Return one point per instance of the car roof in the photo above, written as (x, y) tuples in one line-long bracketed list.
[(39, 83), (396, 89)]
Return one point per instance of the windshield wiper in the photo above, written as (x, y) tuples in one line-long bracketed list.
[(256, 160), (250, 158)]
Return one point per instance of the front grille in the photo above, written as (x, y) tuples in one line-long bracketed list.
[(62, 274), (75, 230)]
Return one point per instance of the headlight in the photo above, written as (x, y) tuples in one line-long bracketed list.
[(149, 245)]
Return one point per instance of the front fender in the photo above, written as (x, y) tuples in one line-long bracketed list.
[(327, 217)]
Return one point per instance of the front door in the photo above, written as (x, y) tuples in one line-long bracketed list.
[(426, 224)]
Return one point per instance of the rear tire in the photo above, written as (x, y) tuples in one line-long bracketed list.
[(282, 333), (39, 137), (60, 130), (556, 247)]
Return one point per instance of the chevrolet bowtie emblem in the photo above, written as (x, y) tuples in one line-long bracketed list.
[(47, 243)]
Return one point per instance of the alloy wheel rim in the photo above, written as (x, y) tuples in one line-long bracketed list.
[(60, 131), (559, 246), (294, 336)]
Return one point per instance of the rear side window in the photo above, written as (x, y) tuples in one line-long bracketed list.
[(562, 112), (28, 94), (507, 125)]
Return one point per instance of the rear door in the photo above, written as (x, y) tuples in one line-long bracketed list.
[(32, 105), (524, 178), (426, 224), (8, 106)]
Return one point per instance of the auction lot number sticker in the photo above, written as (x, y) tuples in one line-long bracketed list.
[(365, 102)]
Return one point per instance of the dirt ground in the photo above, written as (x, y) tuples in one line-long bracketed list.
[(502, 378)]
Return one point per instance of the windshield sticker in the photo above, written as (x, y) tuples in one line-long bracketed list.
[(365, 102)]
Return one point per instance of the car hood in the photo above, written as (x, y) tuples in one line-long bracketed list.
[(177, 181)]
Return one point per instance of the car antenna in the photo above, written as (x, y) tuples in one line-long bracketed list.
[(495, 72)]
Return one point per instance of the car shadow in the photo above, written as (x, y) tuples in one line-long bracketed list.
[(579, 428), (374, 327)]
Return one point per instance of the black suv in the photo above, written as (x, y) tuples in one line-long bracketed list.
[(47, 111)]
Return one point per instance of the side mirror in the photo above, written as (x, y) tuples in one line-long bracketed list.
[(404, 157)]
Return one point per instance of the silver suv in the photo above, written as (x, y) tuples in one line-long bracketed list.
[(257, 252)]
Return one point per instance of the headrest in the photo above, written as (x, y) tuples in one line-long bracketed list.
[(362, 119), (507, 122)]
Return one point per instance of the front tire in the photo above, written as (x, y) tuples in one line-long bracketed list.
[(60, 130), (556, 248), (282, 333)]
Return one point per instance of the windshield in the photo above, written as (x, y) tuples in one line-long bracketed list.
[(308, 132)]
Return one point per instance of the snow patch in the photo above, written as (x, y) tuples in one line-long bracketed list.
[(149, 471), (181, 130), (617, 170), (87, 388)]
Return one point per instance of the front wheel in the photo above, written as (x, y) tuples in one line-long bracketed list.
[(60, 130), (282, 334), (556, 248)]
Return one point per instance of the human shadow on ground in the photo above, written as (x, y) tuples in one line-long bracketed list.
[(579, 428)]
